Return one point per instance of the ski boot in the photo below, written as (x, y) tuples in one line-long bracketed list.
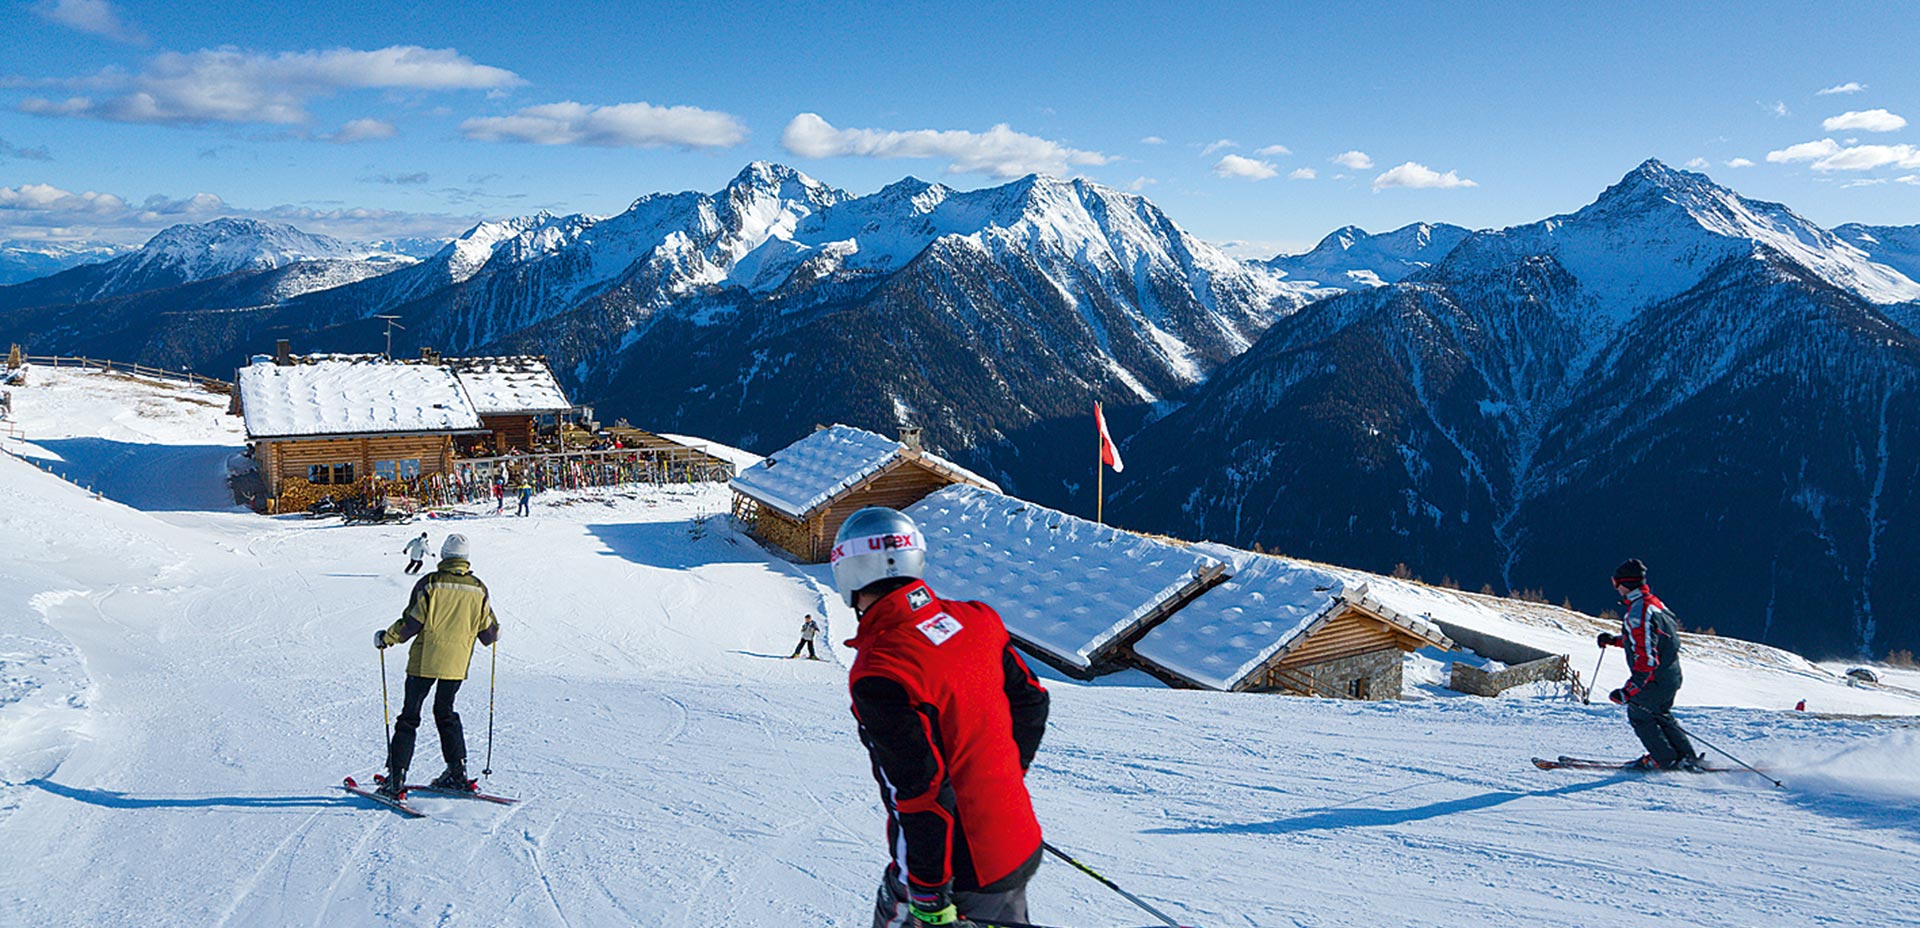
[(455, 780), (1646, 762), (393, 785)]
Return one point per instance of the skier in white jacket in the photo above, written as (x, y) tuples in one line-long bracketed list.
[(416, 552)]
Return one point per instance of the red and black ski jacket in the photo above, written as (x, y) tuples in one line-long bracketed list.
[(951, 718), (1652, 639)]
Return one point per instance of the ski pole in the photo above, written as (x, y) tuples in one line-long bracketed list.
[(1731, 757), (386, 713), (493, 672), (1083, 868), (1586, 699)]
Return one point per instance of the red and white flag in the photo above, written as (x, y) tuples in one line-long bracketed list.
[(1109, 452)]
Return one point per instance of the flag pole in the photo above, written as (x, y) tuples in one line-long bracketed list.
[(1099, 470)]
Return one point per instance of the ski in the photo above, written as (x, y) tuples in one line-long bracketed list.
[(398, 805), (464, 793), (1583, 763)]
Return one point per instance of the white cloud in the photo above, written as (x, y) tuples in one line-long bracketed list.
[(1739, 163), (362, 130), (1245, 168), (1274, 151), (622, 125), (95, 17), (1698, 164), (997, 152), (1153, 140), (1848, 87), (1141, 183), (1864, 121), (1913, 179), (1804, 151), (1778, 108), (1829, 155), (42, 211), (1216, 145), (232, 86), (1352, 160), (1863, 182), (1302, 174), (1416, 175)]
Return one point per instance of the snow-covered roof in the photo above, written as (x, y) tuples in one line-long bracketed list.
[(514, 384), (817, 469), (352, 398), (1066, 586), (1235, 629)]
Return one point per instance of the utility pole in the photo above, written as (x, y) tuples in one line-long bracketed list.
[(391, 325)]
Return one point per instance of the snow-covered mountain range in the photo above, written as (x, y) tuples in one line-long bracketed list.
[(1674, 372), (1350, 257), (191, 253), (22, 260)]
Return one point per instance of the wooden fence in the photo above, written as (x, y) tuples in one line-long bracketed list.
[(208, 384)]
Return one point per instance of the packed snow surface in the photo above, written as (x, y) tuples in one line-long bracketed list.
[(181, 691), (349, 397)]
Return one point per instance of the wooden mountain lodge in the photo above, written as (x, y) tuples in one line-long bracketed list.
[(513, 395), (335, 425), (796, 498)]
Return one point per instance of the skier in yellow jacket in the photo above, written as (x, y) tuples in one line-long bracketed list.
[(447, 612)]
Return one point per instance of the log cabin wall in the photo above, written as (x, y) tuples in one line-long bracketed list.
[(904, 484), (293, 458), (510, 432)]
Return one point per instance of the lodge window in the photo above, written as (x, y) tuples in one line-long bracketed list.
[(1357, 688), (402, 469), (330, 474)]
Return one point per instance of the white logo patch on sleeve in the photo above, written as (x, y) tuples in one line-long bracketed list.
[(939, 628), (918, 598)]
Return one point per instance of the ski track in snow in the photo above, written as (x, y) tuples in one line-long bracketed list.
[(201, 682)]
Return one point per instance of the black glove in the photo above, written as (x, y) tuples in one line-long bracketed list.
[(380, 638), (1607, 640), (932, 906), (1618, 697)]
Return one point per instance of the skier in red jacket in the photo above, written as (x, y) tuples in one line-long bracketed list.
[(951, 718), (1651, 638)]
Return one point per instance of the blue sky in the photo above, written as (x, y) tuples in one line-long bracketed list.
[(362, 120)]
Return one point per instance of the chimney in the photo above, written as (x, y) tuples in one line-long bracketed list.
[(283, 352), (910, 436), (429, 356)]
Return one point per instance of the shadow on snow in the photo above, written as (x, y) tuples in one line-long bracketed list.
[(112, 799), (1328, 819)]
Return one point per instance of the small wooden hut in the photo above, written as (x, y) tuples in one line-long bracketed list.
[(1073, 592), (334, 425), (1286, 626), (797, 497), (510, 393)]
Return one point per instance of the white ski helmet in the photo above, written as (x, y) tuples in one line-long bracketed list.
[(874, 544), (454, 546)]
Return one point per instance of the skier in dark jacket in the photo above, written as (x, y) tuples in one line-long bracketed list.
[(448, 611), (1652, 641), (951, 718)]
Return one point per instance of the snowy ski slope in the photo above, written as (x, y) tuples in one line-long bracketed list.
[(182, 684)]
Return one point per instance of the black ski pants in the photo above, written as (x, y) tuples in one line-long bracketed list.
[(1651, 715), (453, 740), (413, 566), (804, 643)]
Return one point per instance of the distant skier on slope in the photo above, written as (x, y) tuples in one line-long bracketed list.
[(1652, 641), (416, 552), (448, 612), (951, 718), (808, 630), (526, 496)]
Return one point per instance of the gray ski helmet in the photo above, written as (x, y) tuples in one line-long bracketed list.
[(874, 544)]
